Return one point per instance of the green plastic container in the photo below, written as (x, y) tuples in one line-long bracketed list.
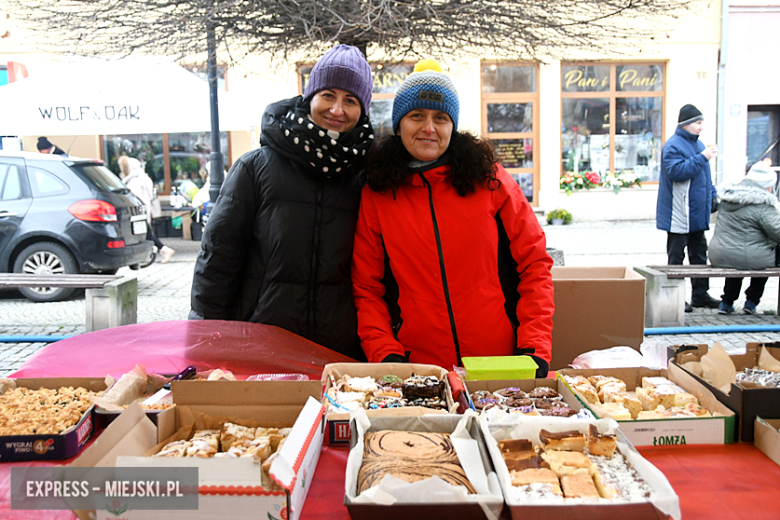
[(499, 367)]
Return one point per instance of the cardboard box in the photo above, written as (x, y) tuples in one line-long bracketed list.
[(338, 423), (50, 446), (767, 437), (665, 503), (718, 429), (596, 308), (746, 402), (232, 485), (481, 466), (526, 385)]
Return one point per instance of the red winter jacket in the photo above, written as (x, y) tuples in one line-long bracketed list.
[(443, 251)]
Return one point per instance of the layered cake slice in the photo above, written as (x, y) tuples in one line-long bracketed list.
[(571, 440)]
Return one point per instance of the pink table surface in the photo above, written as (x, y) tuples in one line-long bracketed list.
[(167, 347)]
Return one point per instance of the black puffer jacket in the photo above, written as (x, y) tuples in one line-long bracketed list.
[(278, 245)]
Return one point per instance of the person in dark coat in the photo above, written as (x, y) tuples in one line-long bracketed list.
[(686, 197), (277, 247), (47, 147), (746, 234)]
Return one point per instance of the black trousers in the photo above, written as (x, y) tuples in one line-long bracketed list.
[(151, 236), (753, 293), (696, 243)]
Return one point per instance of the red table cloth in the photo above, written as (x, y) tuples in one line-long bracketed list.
[(731, 482)]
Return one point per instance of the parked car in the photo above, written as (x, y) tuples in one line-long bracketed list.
[(64, 215)]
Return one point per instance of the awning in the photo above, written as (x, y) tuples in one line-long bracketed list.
[(128, 96)]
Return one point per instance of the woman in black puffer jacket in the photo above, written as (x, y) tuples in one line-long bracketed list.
[(278, 245)]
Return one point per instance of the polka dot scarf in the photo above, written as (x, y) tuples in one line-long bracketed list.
[(330, 153)]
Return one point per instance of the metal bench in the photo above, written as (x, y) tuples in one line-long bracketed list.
[(110, 300), (665, 289)]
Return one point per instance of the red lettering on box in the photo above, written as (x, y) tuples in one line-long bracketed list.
[(82, 434), (342, 431)]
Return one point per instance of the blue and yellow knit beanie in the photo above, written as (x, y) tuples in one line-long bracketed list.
[(426, 87)]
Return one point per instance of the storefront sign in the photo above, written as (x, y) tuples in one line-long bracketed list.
[(85, 113), (577, 78), (629, 80), (589, 78), (88, 100)]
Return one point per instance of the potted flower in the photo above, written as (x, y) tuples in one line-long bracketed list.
[(559, 217), (571, 181), (623, 179)]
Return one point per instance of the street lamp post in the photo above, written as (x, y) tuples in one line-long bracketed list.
[(216, 176)]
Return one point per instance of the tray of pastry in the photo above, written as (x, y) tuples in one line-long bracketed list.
[(547, 466), (46, 418), (430, 465)]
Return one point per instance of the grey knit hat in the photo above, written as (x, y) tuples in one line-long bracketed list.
[(343, 67), (426, 87)]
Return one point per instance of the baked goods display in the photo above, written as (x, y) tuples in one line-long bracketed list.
[(541, 400), (231, 441), (389, 391), (657, 398), (409, 456), (571, 465), (24, 411), (759, 377)]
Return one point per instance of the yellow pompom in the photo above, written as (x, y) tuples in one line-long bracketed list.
[(427, 65)]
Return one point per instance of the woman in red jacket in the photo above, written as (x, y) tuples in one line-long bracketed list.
[(439, 220)]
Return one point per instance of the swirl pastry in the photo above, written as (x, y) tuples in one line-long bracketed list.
[(419, 446), (372, 472), (409, 456)]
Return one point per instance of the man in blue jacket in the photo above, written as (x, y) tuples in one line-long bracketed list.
[(686, 197)]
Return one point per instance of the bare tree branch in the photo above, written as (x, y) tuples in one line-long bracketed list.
[(506, 29)]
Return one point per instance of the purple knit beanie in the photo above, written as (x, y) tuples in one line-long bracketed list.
[(343, 67)]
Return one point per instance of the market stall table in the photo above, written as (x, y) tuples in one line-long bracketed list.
[(731, 482)]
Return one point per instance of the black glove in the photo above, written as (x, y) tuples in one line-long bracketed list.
[(715, 205), (395, 358), (544, 367)]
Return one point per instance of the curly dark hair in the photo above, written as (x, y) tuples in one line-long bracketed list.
[(472, 160)]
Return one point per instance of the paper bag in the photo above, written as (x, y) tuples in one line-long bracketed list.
[(718, 369)]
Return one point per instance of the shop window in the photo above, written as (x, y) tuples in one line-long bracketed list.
[(147, 148), (387, 79), (509, 104), (187, 154), (612, 119), (763, 132)]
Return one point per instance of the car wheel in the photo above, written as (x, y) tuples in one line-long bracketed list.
[(45, 258)]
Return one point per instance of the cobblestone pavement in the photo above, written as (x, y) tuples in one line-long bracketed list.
[(164, 290)]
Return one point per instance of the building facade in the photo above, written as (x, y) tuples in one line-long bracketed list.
[(554, 123)]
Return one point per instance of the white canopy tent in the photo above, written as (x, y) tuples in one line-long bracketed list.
[(128, 96)]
